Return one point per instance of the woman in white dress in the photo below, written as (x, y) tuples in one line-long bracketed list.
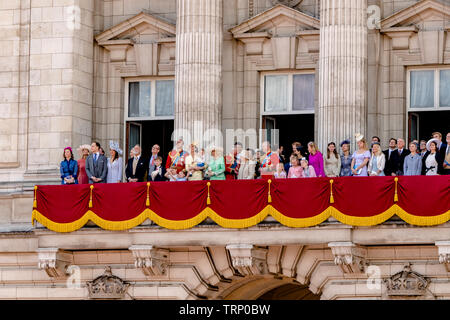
[(431, 161), (114, 163)]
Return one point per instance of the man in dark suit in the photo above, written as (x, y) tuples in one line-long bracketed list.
[(136, 167), (392, 158), (402, 153), (96, 165), (151, 163)]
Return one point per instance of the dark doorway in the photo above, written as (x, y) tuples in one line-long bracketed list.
[(149, 133), (422, 124), (292, 128), (290, 292)]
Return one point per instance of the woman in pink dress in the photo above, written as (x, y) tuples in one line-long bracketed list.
[(84, 153), (316, 159)]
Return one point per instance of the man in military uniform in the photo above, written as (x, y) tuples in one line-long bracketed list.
[(269, 161), (232, 162), (177, 157)]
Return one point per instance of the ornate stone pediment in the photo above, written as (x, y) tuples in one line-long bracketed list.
[(423, 12), (107, 286), (143, 26), (419, 33), (144, 43), (278, 21), (280, 38), (406, 283)]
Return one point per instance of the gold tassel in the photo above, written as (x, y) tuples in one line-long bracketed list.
[(331, 195), (90, 199), (269, 197), (396, 195), (147, 203), (208, 200), (35, 201)]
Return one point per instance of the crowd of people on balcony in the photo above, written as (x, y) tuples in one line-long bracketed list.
[(430, 157)]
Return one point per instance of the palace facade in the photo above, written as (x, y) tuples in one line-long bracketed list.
[(133, 71)]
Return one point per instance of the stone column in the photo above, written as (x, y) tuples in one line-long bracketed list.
[(343, 71), (198, 70)]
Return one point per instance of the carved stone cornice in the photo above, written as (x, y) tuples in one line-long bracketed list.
[(400, 36), (444, 253), (248, 259), (350, 257), (406, 283), (107, 286), (152, 261), (54, 261)]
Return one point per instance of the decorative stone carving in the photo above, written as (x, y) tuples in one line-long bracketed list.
[(289, 3), (350, 257), (406, 283), (107, 286), (54, 261), (444, 253), (152, 261), (248, 259)]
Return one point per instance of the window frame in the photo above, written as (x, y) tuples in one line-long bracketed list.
[(153, 115), (437, 85), (290, 75)]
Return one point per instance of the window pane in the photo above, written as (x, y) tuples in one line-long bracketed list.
[(135, 136), (276, 93), (165, 96), (139, 99), (422, 89), (444, 88), (303, 92)]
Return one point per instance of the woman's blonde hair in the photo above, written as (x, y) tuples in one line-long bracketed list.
[(363, 140), (379, 149), (313, 145)]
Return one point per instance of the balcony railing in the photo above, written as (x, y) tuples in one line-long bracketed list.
[(297, 203)]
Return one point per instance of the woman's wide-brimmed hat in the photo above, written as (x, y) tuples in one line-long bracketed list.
[(114, 145), (82, 147), (359, 137), (430, 141)]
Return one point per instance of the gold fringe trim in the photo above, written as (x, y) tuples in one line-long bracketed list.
[(421, 220), (363, 221), (300, 222), (240, 223)]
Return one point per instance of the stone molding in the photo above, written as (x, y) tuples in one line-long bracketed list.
[(349, 257), (444, 253), (54, 261), (248, 259), (152, 261)]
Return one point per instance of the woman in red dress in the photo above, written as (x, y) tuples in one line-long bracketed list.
[(84, 153)]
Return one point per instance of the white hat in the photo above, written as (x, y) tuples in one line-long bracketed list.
[(430, 141), (359, 137), (82, 147), (113, 145)]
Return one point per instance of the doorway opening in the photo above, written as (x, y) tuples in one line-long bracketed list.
[(422, 124), (291, 128), (149, 133)]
